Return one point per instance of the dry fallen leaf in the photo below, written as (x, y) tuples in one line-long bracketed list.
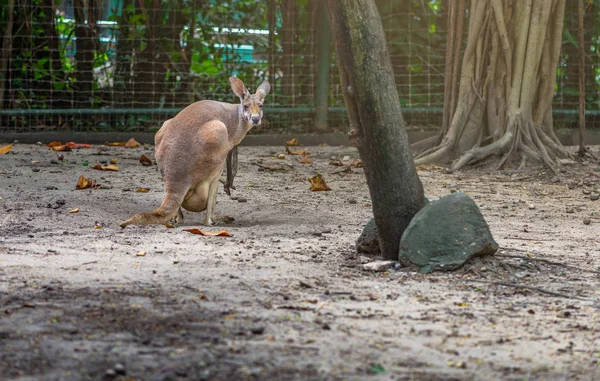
[(84, 183), (428, 167), (110, 167), (54, 144), (221, 233), (132, 143), (145, 160), (306, 159), (293, 142), (317, 183), (142, 190), (97, 227), (301, 152), (356, 163), (4, 150), (115, 144), (140, 254), (61, 148), (76, 210), (73, 145)]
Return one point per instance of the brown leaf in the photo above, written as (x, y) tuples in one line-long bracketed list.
[(54, 144), (132, 143), (221, 233), (145, 160), (115, 144), (301, 152), (110, 167), (142, 190), (317, 183), (293, 142), (61, 148), (84, 183), (73, 145), (76, 210), (356, 163), (306, 159), (4, 150)]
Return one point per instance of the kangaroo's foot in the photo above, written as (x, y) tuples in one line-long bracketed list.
[(217, 220), (176, 220)]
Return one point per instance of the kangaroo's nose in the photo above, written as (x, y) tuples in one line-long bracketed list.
[(255, 119)]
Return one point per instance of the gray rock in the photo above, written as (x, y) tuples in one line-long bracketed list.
[(445, 234), (368, 241)]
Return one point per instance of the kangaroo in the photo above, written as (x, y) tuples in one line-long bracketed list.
[(191, 151)]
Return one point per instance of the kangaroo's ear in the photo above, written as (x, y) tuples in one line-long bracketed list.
[(263, 89), (238, 88)]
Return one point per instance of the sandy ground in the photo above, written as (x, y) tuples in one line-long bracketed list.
[(286, 297)]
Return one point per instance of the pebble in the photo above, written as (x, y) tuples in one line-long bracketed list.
[(378, 266), (53, 162), (110, 373), (587, 221), (281, 156), (594, 196), (352, 201), (242, 199), (570, 210), (120, 368), (531, 206), (35, 169), (61, 157), (257, 330), (586, 191), (39, 143), (555, 180)]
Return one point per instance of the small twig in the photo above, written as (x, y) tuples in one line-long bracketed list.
[(553, 263), (77, 266), (540, 290)]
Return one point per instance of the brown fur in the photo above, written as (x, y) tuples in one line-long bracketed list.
[(191, 150)]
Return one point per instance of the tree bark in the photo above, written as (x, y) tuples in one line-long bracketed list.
[(6, 50), (581, 44), (506, 86), (376, 118)]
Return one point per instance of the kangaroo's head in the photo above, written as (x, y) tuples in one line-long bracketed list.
[(251, 104)]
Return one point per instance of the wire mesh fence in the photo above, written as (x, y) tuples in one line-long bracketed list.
[(127, 65)]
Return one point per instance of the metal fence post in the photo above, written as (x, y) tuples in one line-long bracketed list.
[(324, 59)]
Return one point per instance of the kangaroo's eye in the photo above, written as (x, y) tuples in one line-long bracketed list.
[(246, 107), (260, 105)]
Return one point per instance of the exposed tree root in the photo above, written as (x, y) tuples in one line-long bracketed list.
[(504, 110)]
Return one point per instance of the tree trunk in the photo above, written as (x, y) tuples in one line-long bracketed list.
[(506, 86), (375, 116), (85, 47)]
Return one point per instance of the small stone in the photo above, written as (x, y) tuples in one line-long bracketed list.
[(531, 206), (242, 199), (258, 330), (113, 161), (317, 234), (110, 373), (586, 191), (53, 162), (570, 210), (352, 201), (39, 143), (378, 266), (120, 368), (281, 156), (35, 169), (104, 162), (555, 180), (587, 221), (346, 158), (61, 157), (594, 196)]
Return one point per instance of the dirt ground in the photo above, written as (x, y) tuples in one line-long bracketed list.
[(286, 297)]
